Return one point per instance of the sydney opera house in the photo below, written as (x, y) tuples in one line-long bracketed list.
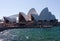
[(32, 19)]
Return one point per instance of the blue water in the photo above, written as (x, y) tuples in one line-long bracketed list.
[(32, 34)]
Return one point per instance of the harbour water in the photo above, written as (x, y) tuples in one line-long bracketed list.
[(31, 34)]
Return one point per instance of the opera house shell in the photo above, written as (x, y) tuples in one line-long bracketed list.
[(22, 17), (46, 15), (32, 16), (9, 20), (32, 13)]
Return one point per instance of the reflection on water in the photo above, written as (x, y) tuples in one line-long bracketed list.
[(31, 34)]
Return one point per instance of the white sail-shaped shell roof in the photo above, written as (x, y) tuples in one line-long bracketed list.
[(32, 12), (11, 20), (23, 14), (46, 15)]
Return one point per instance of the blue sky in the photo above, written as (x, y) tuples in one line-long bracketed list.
[(11, 7)]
